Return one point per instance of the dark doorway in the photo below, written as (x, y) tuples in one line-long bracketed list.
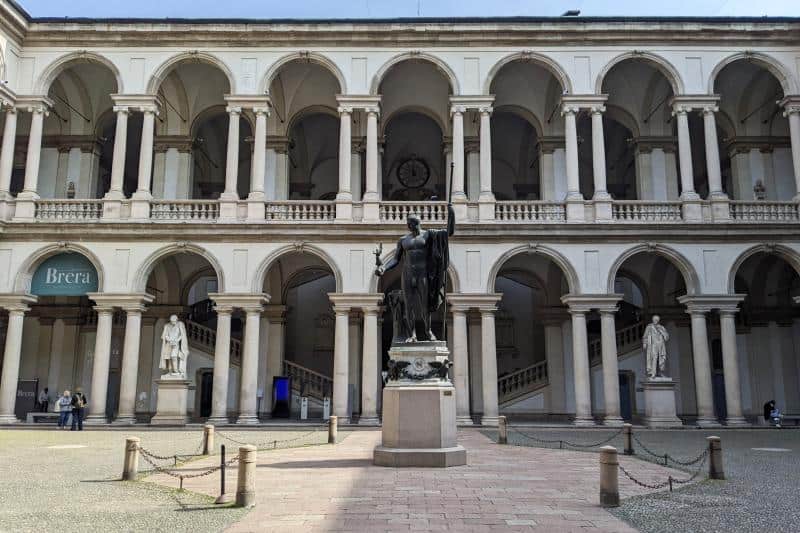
[(206, 389), (626, 395), (718, 380)]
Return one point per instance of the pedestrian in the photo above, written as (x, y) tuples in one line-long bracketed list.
[(64, 409), (768, 407), (78, 409), (44, 399), (776, 416)]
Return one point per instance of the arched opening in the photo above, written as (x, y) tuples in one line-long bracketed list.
[(638, 130), (533, 368), (651, 285), (303, 132), (192, 131), (415, 101), (301, 330), (766, 328), (180, 284), (528, 155), (756, 153)]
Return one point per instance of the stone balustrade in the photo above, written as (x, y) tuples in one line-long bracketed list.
[(184, 210), (762, 211), (646, 211), (69, 210), (308, 382), (206, 338), (427, 211), (522, 381), (300, 211), (529, 211), (629, 338)]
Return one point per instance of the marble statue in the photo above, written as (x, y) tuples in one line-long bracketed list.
[(654, 343), (423, 256), (174, 349)]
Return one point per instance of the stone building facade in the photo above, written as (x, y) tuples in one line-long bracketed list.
[(242, 173)]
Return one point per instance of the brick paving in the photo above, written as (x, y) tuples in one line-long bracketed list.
[(503, 488)]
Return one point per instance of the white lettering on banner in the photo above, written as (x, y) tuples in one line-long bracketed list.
[(71, 277)]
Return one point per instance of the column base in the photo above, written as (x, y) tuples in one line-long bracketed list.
[(491, 421), (342, 419), (140, 208), (6, 208), (460, 210), (615, 421), (9, 419), (95, 420), (486, 207), (124, 420), (218, 420), (692, 210), (25, 207), (576, 210), (228, 209), (583, 421), (707, 423), (344, 210), (603, 212), (247, 420), (736, 421), (112, 208), (256, 209), (720, 209), (371, 211), (369, 421), (464, 421)]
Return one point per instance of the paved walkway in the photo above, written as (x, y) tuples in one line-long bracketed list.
[(503, 488)]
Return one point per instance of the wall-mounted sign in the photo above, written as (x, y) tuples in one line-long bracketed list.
[(67, 274)]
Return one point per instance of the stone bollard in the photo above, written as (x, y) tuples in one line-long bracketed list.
[(627, 433), (246, 479), (502, 430), (130, 467), (208, 439), (333, 429), (609, 477), (715, 470)]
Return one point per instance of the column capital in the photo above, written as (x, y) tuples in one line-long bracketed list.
[(248, 101), (583, 303), (17, 302), (355, 300), (704, 303), (790, 105), (233, 110), (244, 301), (341, 310), (264, 110), (457, 110), (710, 109), (372, 309), (121, 109), (136, 101), (684, 103), (345, 110), (126, 301), (465, 301), (476, 101), (275, 312), (35, 104), (577, 102)]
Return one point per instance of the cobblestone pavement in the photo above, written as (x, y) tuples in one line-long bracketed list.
[(67, 481), (503, 488), (760, 493)]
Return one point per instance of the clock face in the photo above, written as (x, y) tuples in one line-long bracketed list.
[(413, 172)]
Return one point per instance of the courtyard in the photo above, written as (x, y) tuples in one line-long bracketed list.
[(70, 481)]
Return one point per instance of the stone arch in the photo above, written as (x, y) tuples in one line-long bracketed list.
[(51, 72), (563, 263), (311, 57), (211, 111), (265, 266), (524, 114), (22, 281), (677, 259), (422, 110), (546, 62), (452, 274), (437, 62), (307, 112), (167, 66), (624, 117), (784, 252), (146, 267), (765, 61), (665, 67)]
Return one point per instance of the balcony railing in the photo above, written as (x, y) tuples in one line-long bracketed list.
[(427, 211), (530, 211), (69, 210), (644, 211), (300, 211), (762, 211), (185, 210)]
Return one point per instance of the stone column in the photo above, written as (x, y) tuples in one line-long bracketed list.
[(460, 360), (599, 154), (7, 154), (702, 367), (571, 147), (222, 356), (341, 363), (115, 191), (11, 356), (29, 190), (792, 112), (146, 154), (486, 199), (681, 114), (712, 154), (457, 113), (248, 402), (129, 373), (580, 368), (369, 367), (489, 367), (345, 154), (102, 360), (231, 192), (608, 332), (730, 366), (371, 195), (256, 209)]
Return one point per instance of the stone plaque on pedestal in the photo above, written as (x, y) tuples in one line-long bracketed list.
[(419, 409), (659, 403), (172, 403)]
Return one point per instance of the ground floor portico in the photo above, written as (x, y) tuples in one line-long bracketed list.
[(549, 331)]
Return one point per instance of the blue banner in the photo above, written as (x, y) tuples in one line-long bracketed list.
[(67, 274)]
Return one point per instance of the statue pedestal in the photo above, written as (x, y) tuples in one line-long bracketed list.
[(419, 411), (172, 403), (659, 403)]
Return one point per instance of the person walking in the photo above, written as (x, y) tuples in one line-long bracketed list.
[(64, 409), (44, 400), (78, 409)]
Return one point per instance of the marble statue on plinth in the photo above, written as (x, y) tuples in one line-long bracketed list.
[(654, 343), (174, 349)]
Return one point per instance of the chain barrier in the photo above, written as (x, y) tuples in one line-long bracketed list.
[(667, 458), (670, 479), (562, 442), (151, 458), (273, 444)]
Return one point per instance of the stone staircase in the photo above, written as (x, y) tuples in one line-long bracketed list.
[(205, 339), (513, 387), (309, 382), (629, 340)]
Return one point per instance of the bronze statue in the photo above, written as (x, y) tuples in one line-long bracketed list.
[(423, 256)]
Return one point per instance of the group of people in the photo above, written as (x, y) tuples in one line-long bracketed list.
[(73, 404)]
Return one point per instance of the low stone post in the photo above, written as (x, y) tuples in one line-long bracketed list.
[(609, 477), (246, 480), (627, 432), (715, 469), (502, 430), (333, 429), (130, 467), (208, 439)]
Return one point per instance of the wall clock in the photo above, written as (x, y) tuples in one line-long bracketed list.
[(413, 172)]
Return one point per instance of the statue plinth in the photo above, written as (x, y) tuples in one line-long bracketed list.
[(172, 403), (419, 409), (659, 403)]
